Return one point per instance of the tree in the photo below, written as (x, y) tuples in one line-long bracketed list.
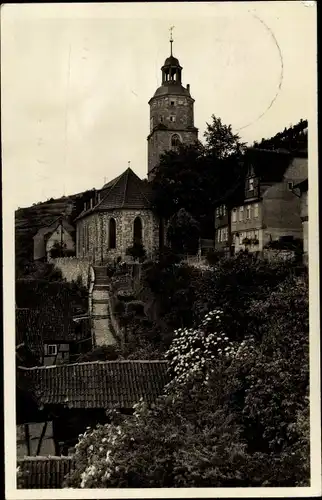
[(221, 142), (195, 177), (183, 233)]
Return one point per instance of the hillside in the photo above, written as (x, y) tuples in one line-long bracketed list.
[(292, 139), (28, 220)]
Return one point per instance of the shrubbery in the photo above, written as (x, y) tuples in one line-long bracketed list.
[(236, 412)]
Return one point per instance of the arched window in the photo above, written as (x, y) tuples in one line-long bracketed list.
[(175, 141), (137, 230), (112, 233)]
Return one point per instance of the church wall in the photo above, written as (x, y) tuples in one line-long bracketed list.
[(93, 234)]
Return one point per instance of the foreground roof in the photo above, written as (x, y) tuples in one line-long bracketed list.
[(126, 191), (45, 472), (98, 384)]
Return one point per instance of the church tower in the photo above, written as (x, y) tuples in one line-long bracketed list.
[(171, 113)]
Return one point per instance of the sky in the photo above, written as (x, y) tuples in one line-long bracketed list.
[(76, 80)]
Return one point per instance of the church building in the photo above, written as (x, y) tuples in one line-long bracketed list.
[(121, 214)]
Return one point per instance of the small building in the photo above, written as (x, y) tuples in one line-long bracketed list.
[(59, 236), (301, 189), (50, 339), (269, 211), (120, 216), (76, 396)]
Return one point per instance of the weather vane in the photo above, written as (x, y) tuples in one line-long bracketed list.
[(171, 38)]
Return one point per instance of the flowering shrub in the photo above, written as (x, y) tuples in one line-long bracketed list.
[(194, 350)]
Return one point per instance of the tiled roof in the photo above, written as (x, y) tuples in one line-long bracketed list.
[(44, 472), (125, 191), (99, 384), (35, 328)]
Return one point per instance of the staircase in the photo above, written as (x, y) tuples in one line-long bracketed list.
[(103, 333)]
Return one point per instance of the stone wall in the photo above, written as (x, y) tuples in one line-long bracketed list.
[(72, 268), (160, 141), (93, 235), (176, 113)]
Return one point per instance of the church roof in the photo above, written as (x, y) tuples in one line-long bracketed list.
[(172, 88), (171, 61), (127, 191)]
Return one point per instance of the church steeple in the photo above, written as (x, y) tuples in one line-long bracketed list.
[(171, 70), (171, 112)]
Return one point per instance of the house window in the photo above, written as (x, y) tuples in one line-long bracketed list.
[(172, 103), (52, 350), (234, 215), (290, 185), (241, 214), (217, 212), (248, 212), (137, 230), (112, 233), (251, 184), (175, 141), (256, 210), (161, 119), (172, 118), (224, 210)]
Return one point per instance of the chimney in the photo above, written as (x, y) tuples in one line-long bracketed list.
[(188, 87)]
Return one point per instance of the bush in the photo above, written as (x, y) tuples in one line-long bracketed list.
[(136, 251), (240, 420)]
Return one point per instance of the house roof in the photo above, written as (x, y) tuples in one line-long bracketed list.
[(45, 472), (34, 328), (98, 384), (269, 165), (127, 191), (43, 231)]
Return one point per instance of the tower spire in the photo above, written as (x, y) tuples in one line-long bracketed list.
[(171, 39)]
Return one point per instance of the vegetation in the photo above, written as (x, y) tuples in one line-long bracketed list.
[(195, 177), (235, 412), (183, 233), (136, 251), (293, 139)]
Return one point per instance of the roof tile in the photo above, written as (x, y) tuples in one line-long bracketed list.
[(99, 384)]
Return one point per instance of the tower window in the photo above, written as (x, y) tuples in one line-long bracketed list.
[(172, 103), (172, 118), (175, 141), (161, 119)]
